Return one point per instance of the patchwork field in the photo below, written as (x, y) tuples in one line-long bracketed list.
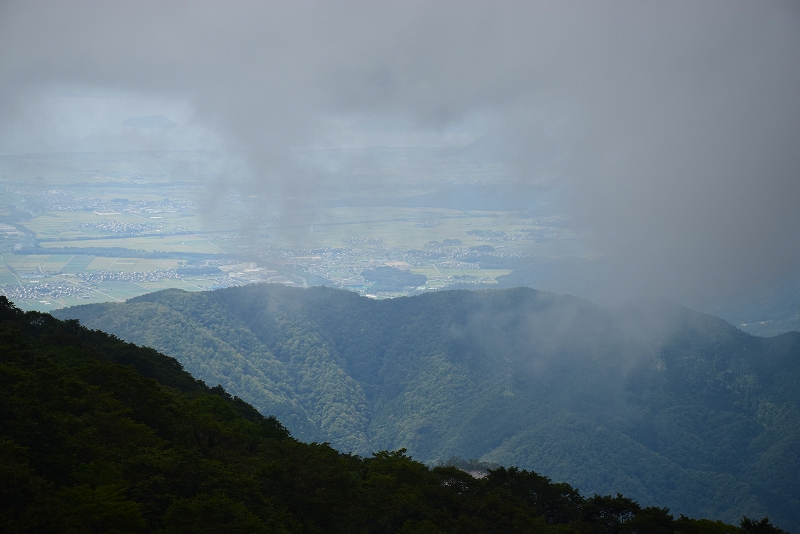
[(407, 228), (101, 221), (191, 243)]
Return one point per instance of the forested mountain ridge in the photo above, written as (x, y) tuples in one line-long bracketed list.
[(664, 404), (99, 435)]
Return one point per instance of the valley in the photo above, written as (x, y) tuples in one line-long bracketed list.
[(102, 435), (635, 398), (400, 267), (110, 226)]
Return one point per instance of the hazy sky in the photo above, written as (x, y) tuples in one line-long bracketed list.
[(683, 118)]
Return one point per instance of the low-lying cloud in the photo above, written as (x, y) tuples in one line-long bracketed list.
[(677, 124)]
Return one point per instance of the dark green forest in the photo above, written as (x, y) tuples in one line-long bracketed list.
[(100, 435), (665, 405)]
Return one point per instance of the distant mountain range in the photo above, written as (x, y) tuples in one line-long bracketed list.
[(766, 309), (666, 405)]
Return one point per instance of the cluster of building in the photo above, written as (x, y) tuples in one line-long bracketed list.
[(97, 277), (117, 227), (537, 234), (83, 284), (45, 290), (363, 240), (72, 198)]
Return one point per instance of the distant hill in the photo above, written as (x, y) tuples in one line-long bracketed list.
[(765, 310), (666, 405)]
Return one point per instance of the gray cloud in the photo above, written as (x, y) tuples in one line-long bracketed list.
[(679, 122)]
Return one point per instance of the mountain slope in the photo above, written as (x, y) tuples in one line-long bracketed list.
[(102, 436), (668, 405)]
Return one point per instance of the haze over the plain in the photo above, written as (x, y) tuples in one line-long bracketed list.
[(672, 128)]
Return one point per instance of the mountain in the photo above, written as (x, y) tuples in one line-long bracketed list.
[(99, 435), (666, 405), (765, 310)]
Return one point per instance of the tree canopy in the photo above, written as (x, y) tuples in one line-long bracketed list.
[(100, 435)]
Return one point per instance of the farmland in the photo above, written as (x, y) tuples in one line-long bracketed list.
[(78, 228)]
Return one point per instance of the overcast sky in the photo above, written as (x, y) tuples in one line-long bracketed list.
[(683, 118)]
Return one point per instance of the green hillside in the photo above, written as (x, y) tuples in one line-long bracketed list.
[(666, 405), (100, 435)]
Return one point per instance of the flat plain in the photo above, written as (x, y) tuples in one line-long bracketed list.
[(80, 228)]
